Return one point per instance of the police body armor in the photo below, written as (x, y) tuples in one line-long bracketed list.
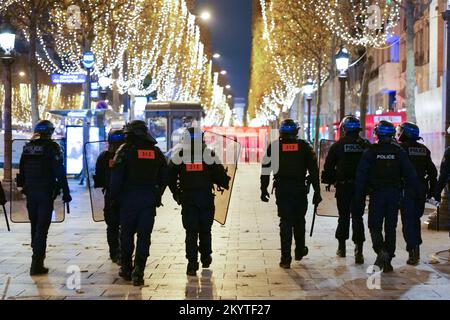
[(37, 164), (195, 175), (349, 155), (293, 161), (386, 171), (142, 167), (418, 154)]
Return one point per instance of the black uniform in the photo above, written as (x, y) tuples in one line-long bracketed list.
[(444, 175), (42, 176), (383, 169), (296, 159), (340, 170), (412, 209), (192, 184), (138, 180), (111, 211)]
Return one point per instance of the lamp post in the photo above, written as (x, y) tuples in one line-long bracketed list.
[(342, 64), (7, 42), (308, 89)]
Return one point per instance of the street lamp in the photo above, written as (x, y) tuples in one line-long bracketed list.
[(216, 55), (308, 89), (205, 16), (228, 87), (223, 72), (7, 42), (342, 64)]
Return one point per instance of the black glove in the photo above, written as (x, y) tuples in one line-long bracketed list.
[(67, 198), (265, 195), (328, 188), (2, 200), (317, 198)]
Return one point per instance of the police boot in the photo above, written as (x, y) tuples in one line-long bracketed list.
[(125, 270), (138, 276), (206, 261), (285, 263), (413, 259), (387, 265), (192, 268), (359, 258), (381, 260), (341, 249), (37, 267), (302, 253)]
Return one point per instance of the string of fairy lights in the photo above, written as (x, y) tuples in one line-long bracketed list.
[(141, 46), (367, 23)]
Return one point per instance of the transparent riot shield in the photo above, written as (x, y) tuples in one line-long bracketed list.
[(227, 151), (17, 200), (328, 206), (91, 152)]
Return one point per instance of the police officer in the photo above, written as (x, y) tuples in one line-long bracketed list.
[(412, 209), (383, 168), (339, 169), (138, 181), (102, 176), (290, 159), (42, 175), (193, 171), (444, 174)]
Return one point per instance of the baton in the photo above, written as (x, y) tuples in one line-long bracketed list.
[(437, 218), (6, 218), (68, 207), (314, 220)]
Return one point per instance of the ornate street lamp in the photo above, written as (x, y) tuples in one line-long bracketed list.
[(7, 42), (342, 65), (308, 89)]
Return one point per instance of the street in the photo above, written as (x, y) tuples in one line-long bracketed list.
[(245, 259)]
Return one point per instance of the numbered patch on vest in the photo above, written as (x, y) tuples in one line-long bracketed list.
[(33, 150), (386, 157), (353, 148), (111, 162), (194, 167), (290, 147), (422, 152), (146, 154)]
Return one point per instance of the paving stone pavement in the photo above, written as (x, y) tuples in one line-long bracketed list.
[(245, 259)]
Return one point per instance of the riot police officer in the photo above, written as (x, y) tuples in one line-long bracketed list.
[(102, 177), (339, 170), (382, 169), (290, 159), (138, 181), (42, 175), (412, 209), (192, 177)]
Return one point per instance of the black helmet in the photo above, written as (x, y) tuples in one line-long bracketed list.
[(138, 129), (350, 124), (384, 129), (408, 131), (44, 129), (289, 128), (116, 136)]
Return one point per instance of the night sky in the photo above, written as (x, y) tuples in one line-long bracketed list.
[(230, 27)]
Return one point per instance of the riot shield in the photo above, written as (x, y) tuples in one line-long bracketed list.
[(327, 207), (91, 152), (227, 152), (17, 200)]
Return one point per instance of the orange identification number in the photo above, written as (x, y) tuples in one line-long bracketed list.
[(194, 167), (291, 147), (146, 154), (111, 161)]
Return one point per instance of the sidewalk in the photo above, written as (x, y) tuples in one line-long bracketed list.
[(245, 259)]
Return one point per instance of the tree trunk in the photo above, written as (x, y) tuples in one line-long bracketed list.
[(410, 61), (33, 69), (115, 91), (365, 90), (318, 107)]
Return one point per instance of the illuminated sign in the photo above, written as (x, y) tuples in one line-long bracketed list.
[(76, 78)]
